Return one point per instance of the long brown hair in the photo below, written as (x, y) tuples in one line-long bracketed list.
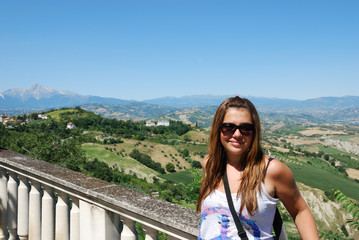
[(252, 163)]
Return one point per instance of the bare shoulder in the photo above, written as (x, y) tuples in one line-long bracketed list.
[(278, 171), (281, 179)]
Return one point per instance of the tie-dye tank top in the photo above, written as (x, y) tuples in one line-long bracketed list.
[(217, 221)]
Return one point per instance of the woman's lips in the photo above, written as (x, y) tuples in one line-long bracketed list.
[(236, 143)]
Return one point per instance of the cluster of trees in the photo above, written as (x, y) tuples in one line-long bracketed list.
[(112, 140), (50, 142), (127, 129), (147, 161)]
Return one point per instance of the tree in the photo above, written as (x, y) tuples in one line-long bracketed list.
[(170, 167), (187, 138), (3, 135), (185, 152), (194, 187), (196, 164)]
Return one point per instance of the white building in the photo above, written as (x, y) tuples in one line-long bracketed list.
[(42, 116), (163, 123), (159, 123), (150, 124), (2, 118), (70, 125)]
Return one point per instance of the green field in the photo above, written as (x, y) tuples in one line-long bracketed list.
[(184, 177), (56, 114), (324, 180)]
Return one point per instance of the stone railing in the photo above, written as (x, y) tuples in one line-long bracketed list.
[(42, 201)]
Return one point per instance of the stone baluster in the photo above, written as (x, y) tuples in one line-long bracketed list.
[(35, 211), (129, 229), (3, 204), (62, 218), (48, 215), (113, 225), (23, 209), (98, 223), (90, 224), (151, 233), (12, 206), (75, 220)]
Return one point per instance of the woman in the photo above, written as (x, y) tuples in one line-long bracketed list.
[(255, 180)]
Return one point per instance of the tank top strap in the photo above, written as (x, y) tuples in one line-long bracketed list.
[(269, 160)]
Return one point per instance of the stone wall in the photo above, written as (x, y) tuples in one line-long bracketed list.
[(139, 207)]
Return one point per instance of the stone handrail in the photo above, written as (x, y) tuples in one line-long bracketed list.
[(42, 201)]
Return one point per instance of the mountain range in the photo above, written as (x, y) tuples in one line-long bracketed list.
[(39, 98)]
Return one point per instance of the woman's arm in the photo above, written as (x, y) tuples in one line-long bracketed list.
[(285, 188)]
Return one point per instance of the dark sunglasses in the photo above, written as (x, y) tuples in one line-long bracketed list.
[(246, 129)]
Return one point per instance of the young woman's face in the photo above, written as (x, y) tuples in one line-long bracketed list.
[(236, 140)]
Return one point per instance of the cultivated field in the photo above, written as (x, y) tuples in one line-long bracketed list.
[(320, 131)]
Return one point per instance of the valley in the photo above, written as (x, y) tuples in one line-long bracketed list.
[(323, 156), (315, 163)]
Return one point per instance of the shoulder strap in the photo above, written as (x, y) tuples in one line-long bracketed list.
[(269, 160), (241, 233)]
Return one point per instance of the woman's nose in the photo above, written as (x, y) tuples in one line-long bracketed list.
[(237, 133)]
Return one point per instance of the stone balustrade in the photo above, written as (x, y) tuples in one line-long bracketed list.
[(42, 201)]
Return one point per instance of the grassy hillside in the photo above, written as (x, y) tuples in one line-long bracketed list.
[(112, 157), (184, 177), (69, 113), (324, 180)]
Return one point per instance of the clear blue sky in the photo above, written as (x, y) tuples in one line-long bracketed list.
[(148, 49)]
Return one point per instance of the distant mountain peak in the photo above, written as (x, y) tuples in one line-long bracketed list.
[(35, 91), (40, 97)]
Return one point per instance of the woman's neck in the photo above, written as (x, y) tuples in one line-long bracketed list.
[(236, 161), (237, 166)]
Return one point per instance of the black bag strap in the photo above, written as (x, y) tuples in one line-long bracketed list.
[(277, 222), (241, 233)]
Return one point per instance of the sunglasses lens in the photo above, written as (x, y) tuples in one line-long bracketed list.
[(228, 129), (246, 129)]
